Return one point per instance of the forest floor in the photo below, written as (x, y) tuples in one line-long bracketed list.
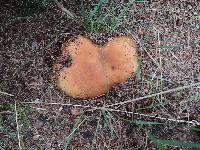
[(160, 102)]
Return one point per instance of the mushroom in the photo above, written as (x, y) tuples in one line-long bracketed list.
[(86, 70), (121, 59)]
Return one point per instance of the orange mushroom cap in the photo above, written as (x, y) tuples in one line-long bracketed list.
[(121, 59), (94, 70)]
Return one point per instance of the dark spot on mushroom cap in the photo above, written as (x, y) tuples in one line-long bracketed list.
[(113, 67)]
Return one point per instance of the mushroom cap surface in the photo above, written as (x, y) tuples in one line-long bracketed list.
[(121, 59), (93, 70)]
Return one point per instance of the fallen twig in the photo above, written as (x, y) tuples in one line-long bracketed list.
[(64, 9), (6, 112), (6, 93)]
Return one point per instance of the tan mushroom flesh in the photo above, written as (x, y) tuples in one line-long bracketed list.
[(93, 70)]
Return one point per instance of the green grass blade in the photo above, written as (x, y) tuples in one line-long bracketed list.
[(180, 143), (194, 97), (138, 122), (156, 142), (141, 1), (8, 132), (154, 105), (195, 129), (97, 128), (105, 119), (146, 123), (94, 11), (166, 46), (108, 124), (75, 127), (173, 142), (138, 71), (118, 19)]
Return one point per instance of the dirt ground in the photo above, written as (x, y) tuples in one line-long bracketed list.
[(35, 115)]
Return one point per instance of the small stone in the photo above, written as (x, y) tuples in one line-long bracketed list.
[(60, 109), (75, 111), (190, 7), (41, 120), (36, 137), (38, 123), (34, 45), (48, 145)]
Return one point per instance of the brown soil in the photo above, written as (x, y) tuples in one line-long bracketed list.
[(28, 47)]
